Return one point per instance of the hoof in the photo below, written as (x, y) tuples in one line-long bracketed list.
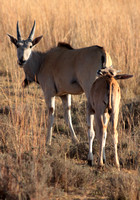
[(90, 159), (48, 142), (104, 160), (90, 163), (118, 167), (101, 165), (75, 140)]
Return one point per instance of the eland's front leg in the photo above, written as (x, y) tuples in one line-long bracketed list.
[(66, 100), (51, 109)]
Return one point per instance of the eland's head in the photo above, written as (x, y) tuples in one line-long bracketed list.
[(24, 47)]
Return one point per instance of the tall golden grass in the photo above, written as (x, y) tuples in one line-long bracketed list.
[(112, 24), (29, 170)]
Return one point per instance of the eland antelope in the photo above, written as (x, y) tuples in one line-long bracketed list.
[(104, 102), (60, 71)]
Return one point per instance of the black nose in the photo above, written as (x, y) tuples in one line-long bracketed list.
[(21, 61)]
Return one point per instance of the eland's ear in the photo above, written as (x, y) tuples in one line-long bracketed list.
[(123, 76), (36, 40), (13, 40)]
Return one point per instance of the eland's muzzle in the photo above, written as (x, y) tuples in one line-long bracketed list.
[(21, 62)]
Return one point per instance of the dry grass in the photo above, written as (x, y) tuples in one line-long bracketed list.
[(29, 170)]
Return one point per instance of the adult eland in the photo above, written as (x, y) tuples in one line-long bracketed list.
[(61, 71)]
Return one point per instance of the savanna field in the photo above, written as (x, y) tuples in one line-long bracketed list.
[(28, 169)]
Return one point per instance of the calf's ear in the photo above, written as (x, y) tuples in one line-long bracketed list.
[(123, 76)]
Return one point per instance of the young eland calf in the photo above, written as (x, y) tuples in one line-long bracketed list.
[(104, 102), (61, 71)]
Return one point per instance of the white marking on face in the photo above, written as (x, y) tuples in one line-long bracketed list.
[(24, 49)]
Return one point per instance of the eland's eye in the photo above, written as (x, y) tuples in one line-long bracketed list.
[(31, 46), (19, 44)]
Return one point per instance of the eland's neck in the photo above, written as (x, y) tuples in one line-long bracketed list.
[(32, 66)]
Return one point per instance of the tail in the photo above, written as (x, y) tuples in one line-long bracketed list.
[(110, 97)]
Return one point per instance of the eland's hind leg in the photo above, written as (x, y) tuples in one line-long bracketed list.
[(91, 135), (66, 100), (91, 132)]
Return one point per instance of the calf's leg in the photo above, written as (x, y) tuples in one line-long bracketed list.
[(115, 135), (101, 127)]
